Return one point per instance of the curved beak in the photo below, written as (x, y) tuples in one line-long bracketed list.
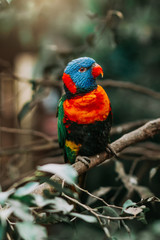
[(96, 70)]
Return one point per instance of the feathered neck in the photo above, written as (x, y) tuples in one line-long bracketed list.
[(79, 92)]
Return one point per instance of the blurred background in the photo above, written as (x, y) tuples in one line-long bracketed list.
[(37, 39)]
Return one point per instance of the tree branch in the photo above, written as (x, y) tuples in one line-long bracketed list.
[(27, 132), (130, 86), (125, 127), (146, 131), (52, 82), (53, 141), (23, 149)]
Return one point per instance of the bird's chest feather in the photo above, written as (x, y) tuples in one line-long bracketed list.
[(89, 108)]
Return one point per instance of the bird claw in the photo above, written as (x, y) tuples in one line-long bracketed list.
[(110, 150), (85, 160)]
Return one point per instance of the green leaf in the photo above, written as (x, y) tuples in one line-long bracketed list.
[(86, 218), (5, 213), (26, 189), (2, 231), (40, 201), (128, 203), (25, 109), (51, 218), (62, 205), (142, 218), (107, 232), (58, 204), (26, 199), (4, 196), (110, 226), (9, 1), (62, 189), (34, 84), (98, 193), (108, 211), (31, 231), (64, 171), (153, 172), (133, 210), (21, 210), (155, 227)]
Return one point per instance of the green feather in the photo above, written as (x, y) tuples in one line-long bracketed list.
[(61, 128), (69, 155)]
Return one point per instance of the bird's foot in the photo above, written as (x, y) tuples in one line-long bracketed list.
[(110, 150), (85, 160)]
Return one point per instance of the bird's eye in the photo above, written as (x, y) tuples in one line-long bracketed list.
[(82, 69)]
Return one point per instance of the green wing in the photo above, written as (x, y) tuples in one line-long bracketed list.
[(61, 128), (69, 154)]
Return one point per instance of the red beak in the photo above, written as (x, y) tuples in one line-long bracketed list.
[(96, 70)]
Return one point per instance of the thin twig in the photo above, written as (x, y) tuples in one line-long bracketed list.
[(98, 198), (93, 211), (82, 205)]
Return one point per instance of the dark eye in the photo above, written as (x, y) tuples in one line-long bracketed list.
[(82, 69)]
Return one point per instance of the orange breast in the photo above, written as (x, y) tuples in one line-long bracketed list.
[(93, 106)]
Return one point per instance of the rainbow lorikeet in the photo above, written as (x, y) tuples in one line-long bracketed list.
[(84, 112)]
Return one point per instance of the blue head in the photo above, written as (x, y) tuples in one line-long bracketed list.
[(80, 75)]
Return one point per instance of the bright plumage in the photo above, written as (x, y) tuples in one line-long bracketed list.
[(84, 112)]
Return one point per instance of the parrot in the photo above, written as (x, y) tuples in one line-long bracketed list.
[(84, 111)]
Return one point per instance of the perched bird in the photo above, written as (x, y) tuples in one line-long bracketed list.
[(84, 112)]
